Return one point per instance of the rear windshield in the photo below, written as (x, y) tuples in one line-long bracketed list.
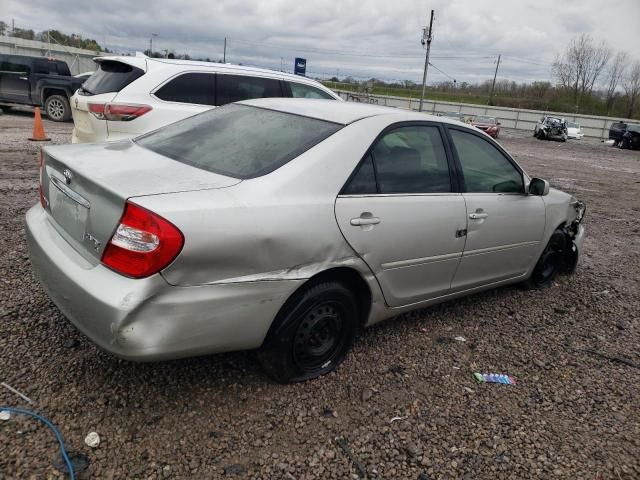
[(238, 140), (112, 76)]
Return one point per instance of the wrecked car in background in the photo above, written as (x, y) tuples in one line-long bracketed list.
[(551, 128), (488, 125), (574, 130), (286, 225), (631, 137)]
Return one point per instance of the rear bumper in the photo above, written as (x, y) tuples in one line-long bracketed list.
[(80, 137), (148, 319)]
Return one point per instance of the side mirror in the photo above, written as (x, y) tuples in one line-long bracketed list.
[(537, 186), (498, 123)]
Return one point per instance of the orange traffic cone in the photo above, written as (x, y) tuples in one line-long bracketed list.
[(38, 129)]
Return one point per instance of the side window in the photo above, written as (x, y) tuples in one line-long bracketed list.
[(63, 69), (412, 160), (364, 180), (15, 65), (299, 90), (46, 67), (195, 88), (484, 167), (233, 88)]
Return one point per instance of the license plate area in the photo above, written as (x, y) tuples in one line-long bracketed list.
[(69, 209)]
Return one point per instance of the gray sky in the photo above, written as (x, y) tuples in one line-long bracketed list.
[(369, 38)]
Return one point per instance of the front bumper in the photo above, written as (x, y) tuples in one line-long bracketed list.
[(148, 319)]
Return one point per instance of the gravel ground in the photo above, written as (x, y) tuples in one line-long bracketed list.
[(403, 405)]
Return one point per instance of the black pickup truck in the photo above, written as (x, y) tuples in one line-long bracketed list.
[(38, 81)]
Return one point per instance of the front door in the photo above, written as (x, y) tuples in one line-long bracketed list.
[(401, 215), (505, 225)]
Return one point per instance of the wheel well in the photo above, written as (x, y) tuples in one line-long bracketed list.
[(351, 279), (348, 277), (46, 93), (570, 255)]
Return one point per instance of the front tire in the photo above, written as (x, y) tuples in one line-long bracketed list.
[(312, 334), (550, 264), (57, 108)]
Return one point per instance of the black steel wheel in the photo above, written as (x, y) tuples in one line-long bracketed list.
[(312, 334), (551, 262)]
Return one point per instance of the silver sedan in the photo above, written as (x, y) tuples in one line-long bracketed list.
[(286, 225)]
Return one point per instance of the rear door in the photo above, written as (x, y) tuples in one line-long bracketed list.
[(402, 214), (14, 79), (235, 88), (181, 96), (505, 225)]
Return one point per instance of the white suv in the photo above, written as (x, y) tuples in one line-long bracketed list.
[(128, 96)]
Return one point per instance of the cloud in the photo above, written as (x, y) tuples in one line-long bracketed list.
[(375, 38)]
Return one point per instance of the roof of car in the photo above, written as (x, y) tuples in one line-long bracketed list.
[(339, 112), (140, 61)]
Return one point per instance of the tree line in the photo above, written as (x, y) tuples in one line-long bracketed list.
[(589, 78), (53, 36)]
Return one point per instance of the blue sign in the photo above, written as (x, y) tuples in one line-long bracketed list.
[(300, 67)]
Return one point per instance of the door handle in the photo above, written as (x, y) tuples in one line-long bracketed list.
[(24, 78), (478, 216), (360, 221)]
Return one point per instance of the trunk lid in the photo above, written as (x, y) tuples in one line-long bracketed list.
[(86, 187)]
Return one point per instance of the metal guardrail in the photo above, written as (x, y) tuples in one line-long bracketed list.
[(518, 118)]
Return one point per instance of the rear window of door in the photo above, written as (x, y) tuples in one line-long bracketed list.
[(198, 88), (234, 88), (409, 159), (485, 169), (300, 90), (111, 76), (46, 67)]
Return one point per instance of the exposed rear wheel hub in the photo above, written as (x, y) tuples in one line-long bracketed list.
[(319, 336)]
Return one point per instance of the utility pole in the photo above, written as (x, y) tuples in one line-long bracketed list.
[(493, 85), (426, 37), (224, 54)]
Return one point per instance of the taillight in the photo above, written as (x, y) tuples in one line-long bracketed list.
[(143, 244), (43, 200), (97, 109), (118, 112)]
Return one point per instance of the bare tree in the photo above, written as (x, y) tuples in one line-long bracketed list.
[(631, 85), (614, 76), (579, 67)]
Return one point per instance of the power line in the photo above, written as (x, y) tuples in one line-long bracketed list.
[(445, 74)]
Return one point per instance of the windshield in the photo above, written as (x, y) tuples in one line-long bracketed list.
[(633, 127), (238, 140), (482, 119)]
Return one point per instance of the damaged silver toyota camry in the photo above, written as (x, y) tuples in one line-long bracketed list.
[(286, 225)]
